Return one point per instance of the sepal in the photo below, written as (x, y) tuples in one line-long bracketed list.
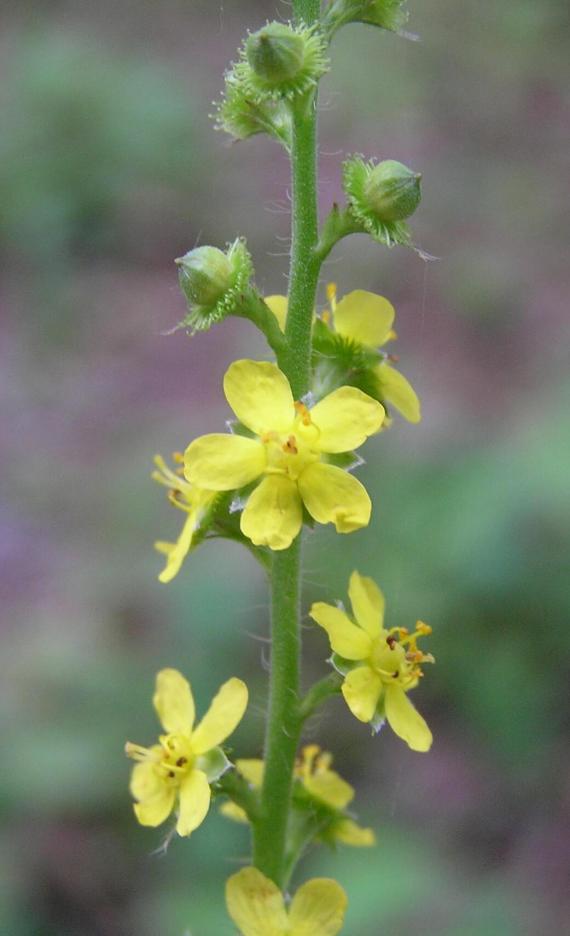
[(214, 764)]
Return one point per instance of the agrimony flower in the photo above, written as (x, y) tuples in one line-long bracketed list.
[(257, 907), (380, 666), (367, 319), (288, 452), (323, 786), (193, 501), (175, 774)]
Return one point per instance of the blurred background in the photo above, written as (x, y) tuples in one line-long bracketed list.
[(110, 168)]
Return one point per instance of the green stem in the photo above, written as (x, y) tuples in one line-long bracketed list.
[(284, 722)]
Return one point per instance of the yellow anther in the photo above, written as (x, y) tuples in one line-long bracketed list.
[(178, 457), (423, 629), (326, 317), (303, 413), (290, 446), (331, 294)]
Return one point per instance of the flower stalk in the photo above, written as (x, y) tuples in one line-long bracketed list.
[(284, 721)]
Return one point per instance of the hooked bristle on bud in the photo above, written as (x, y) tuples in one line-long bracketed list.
[(381, 195), (213, 282), (279, 61), (242, 116)]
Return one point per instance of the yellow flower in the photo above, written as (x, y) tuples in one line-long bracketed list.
[(286, 452), (312, 770), (380, 666), (257, 907), (367, 319), (193, 501), (176, 773)]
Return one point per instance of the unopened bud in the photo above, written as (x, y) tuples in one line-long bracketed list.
[(380, 196), (213, 282), (393, 191), (205, 275), (276, 53)]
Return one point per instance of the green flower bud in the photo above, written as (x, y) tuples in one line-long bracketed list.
[(278, 62), (213, 282), (205, 275), (388, 14), (276, 53), (242, 115), (380, 196), (393, 191)]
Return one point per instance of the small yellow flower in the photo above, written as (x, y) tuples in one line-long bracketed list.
[(257, 907), (312, 770), (193, 501), (176, 773), (368, 319), (286, 452), (380, 666)]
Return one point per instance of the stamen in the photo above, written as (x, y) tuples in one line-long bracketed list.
[(290, 446), (303, 413)]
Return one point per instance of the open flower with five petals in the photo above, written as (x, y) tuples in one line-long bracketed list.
[(288, 451), (176, 773), (380, 666), (258, 908), (193, 501)]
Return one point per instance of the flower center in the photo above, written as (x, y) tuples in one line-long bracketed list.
[(396, 657), (289, 453), (177, 757)]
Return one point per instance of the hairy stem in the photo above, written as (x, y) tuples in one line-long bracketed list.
[(284, 722)]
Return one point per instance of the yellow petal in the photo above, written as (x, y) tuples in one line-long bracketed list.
[(349, 832), (256, 904), (361, 690), (260, 396), (173, 702), (224, 714), (223, 462), (395, 389), (194, 802), (331, 495), (318, 908), (364, 317), (346, 639), (406, 721), (367, 603), (252, 769), (235, 813), (273, 514), (329, 787), (345, 418), (145, 781), (177, 552), (278, 305), (152, 812)]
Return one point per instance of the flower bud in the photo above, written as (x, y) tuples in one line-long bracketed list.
[(205, 275), (276, 53), (213, 282), (380, 196), (388, 14), (393, 191), (279, 62)]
